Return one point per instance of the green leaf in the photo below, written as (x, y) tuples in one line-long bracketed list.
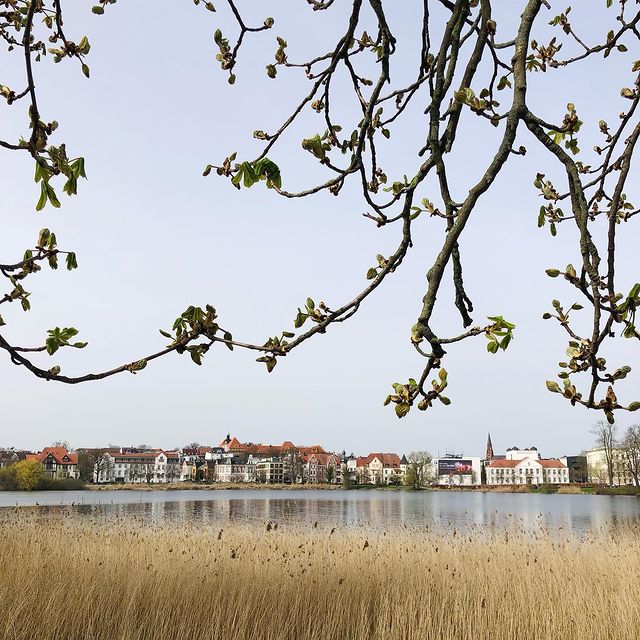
[(492, 346), (97, 9), (634, 406), (300, 319), (553, 386), (51, 345), (371, 273), (552, 273), (85, 69), (72, 263), (79, 345), (43, 197), (402, 409), (445, 401), (51, 194), (237, 179), (228, 336), (166, 334)]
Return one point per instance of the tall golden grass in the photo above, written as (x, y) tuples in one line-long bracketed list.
[(72, 578)]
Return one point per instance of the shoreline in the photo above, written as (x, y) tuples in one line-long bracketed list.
[(570, 489)]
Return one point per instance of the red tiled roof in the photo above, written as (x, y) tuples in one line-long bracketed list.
[(57, 453), (503, 464), (268, 449), (552, 463), (322, 458), (233, 445), (387, 459)]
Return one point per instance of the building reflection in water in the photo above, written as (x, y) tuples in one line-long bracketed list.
[(379, 509)]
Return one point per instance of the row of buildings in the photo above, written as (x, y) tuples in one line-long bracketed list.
[(233, 461)]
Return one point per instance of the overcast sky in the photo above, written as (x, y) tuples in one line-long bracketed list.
[(153, 236)]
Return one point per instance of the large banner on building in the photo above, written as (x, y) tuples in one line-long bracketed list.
[(454, 467)]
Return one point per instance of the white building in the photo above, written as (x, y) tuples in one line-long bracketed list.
[(528, 470), (138, 468), (456, 471), (597, 467), (272, 471), (167, 467), (513, 453), (230, 470), (380, 468)]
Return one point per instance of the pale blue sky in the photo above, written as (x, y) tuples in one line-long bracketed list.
[(153, 236)]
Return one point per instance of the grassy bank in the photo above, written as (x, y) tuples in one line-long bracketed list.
[(74, 580)]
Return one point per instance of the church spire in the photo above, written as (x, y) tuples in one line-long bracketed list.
[(489, 453)]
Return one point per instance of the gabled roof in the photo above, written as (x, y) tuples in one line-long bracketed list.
[(322, 458), (59, 454), (233, 445), (387, 459)]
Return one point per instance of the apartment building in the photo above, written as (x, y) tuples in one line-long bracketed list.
[(321, 468), (149, 467), (598, 472)]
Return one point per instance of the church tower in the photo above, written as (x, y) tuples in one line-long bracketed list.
[(489, 453)]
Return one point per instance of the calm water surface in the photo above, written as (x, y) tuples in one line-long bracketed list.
[(387, 509)]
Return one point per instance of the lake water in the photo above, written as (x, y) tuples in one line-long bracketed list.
[(387, 509)]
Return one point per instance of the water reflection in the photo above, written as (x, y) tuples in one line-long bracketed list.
[(380, 509)]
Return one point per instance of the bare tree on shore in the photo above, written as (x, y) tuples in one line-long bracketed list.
[(605, 438)]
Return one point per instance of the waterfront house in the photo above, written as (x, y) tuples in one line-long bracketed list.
[(58, 463), (321, 468), (167, 467), (380, 468), (528, 470), (137, 468)]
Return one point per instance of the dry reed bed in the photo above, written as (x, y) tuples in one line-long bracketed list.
[(69, 579)]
